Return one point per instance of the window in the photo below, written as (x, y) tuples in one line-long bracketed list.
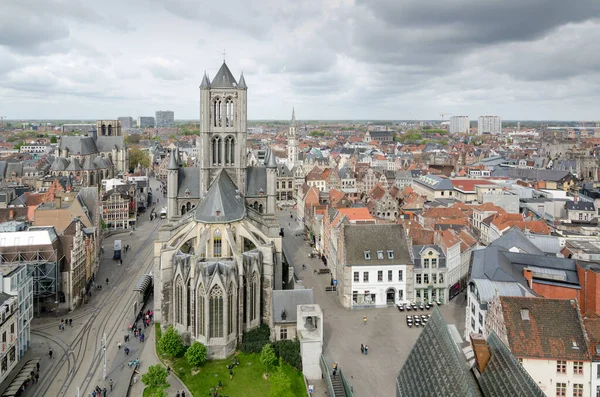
[(418, 293), (201, 320), (577, 390), (230, 310), (283, 333), (366, 277), (390, 254), (217, 244), (561, 367), (400, 275), (216, 312), (426, 263), (598, 372), (379, 255), (434, 262), (400, 294), (434, 278), (390, 275), (426, 278), (441, 278), (577, 367), (380, 275), (473, 324), (419, 279), (597, 391), (356, 276), (367, 255), (473, 308), (480, 318), (254, 296)]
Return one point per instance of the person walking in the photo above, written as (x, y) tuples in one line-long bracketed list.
[(37, 365), (230, 374), (183, 393), (107, 279), (365, 320), (104, 392), (110, 383), (366, 350), (50, 353), (178, 394), (70, 322), (119, 345), (362, 349)]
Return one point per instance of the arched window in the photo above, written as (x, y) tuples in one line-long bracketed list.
[(183, 210), (216, 312), (230, 308), (103, 129), (253, 296), (217, 112), (109, 130), (217, 244), (201, 314), (230, 112), (217, 151), (179, 301), (260, 208), (229, 151), (188, 293)]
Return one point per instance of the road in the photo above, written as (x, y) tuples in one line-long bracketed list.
[(386, 333), (77, 352)]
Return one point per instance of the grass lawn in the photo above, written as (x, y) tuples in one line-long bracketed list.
[(247, 379)]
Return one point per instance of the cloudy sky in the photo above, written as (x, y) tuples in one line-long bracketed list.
[(331, 59)]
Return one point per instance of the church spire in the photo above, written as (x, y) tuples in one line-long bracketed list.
[(293, 116), (242, 83), (205, 82)]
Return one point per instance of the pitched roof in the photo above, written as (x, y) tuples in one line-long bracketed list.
[(554, 329), (468, 185), (289, 300), (516, 238), (373, 238), (222, 203), (224, 78)]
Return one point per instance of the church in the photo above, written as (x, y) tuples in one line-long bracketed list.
[(219, 257)]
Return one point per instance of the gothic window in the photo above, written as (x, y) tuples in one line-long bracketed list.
[(179, 300), (216, 312), (201, 314), (217, 244), (217, 112), (230, 111), (217, 151), (103, 129), (229, 151), (230, 309), (109, 130), (254, 295), (189, 303)]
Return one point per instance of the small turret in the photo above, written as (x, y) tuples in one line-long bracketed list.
[(172, 161), (271, 162), (205, 82), (242, 82)]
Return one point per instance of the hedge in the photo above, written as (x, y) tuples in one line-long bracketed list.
[(289, 351)]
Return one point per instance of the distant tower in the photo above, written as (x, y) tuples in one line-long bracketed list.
[(271, 165), (292, 142), (172, 182), (223, 119)]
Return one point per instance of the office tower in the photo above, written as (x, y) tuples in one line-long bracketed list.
[(145, 122), (126, 122), (459, 125), (489, 125)]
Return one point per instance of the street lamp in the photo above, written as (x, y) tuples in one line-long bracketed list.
[(104, 349)]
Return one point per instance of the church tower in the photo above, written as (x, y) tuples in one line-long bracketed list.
[(292, 141), (223, 118)]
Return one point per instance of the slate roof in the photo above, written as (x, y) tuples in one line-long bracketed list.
[(222, 203), (487, 289), (580, 206), (108, 143), (553, 326), (516, 238), (188, 178), (436, 367), (289, 300), (16, 167), (530, 174), (435, 182), (224, 78), (419, 250), (256, 179), (78, 145), (74, 165), (373, 238)]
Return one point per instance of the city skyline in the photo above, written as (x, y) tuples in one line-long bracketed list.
[(333, 60)]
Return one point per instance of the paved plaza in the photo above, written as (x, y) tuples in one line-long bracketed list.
[(386, 333)]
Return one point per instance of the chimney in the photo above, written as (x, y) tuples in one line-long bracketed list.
[(481, 350), (529, 276)]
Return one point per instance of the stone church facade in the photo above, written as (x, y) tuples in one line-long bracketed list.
[(219, 255)]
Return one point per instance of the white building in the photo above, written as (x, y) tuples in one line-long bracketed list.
[(430, 274), (377, 268), (459, 125), (35, 148), (489, 125), (17, 281), (9, 334)]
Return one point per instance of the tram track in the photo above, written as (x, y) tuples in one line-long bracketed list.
[(110, 313)]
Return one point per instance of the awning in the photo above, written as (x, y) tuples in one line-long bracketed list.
[(144, 282)]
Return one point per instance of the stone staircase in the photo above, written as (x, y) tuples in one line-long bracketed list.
[(338, 387)]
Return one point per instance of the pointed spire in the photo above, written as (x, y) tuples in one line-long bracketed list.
[(205, 81), (172, 161), (242, 83), (271, 162), (293, 116)]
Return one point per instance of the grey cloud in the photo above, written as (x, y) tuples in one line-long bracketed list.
[(164, 69)]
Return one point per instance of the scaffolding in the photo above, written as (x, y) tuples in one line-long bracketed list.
[(43, 265)]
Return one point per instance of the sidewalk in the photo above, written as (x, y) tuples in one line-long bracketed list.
[(148, 357)]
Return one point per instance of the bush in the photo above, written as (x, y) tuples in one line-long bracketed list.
[(289, 351), (170, 343), (253, 341), (156, 377), (196, 354), (281, 384)]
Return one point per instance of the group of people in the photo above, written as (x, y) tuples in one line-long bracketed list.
[(98, 392), (65, 322), (182, 394), (364, 349)]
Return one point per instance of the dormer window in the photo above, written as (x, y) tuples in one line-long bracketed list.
[(283, 315), (525, 314), (380, 255), (368, 255), (390, 254)]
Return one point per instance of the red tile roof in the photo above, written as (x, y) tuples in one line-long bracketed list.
[(468, 185)]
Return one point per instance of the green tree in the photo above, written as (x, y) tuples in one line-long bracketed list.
[(267, 356), (133, 139), (196, 354), (18, 145), (137, 156), (156, 377), (53, 139), (281, 384), (170, 343)]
